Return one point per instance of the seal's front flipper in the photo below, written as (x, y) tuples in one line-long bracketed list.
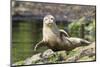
[(38, 44)]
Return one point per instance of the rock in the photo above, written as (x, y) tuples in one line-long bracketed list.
[(32, 59), (89, 50), (47, 53), (83, 53), (28, 61), (36, 57), (63, 12), (62, 55), (72, 59), (86, 53)]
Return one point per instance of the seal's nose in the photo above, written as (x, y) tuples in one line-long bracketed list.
[(50, 21)]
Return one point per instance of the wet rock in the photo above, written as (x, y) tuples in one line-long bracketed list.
[(86, 53), (47, 53), (62, 55)]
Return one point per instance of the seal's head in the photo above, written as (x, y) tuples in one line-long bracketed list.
[(49, 20)]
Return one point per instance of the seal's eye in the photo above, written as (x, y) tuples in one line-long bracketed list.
[(52, 18)]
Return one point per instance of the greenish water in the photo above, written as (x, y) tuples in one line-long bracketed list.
[(24, 37)]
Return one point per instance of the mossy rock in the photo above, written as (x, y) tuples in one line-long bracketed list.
[(83, 53)]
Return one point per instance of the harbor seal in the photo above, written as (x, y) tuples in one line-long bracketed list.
[(58, 39)]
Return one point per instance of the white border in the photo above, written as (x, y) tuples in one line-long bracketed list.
[(5, 33)]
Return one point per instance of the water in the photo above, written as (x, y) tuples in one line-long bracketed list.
[(24, 37)]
